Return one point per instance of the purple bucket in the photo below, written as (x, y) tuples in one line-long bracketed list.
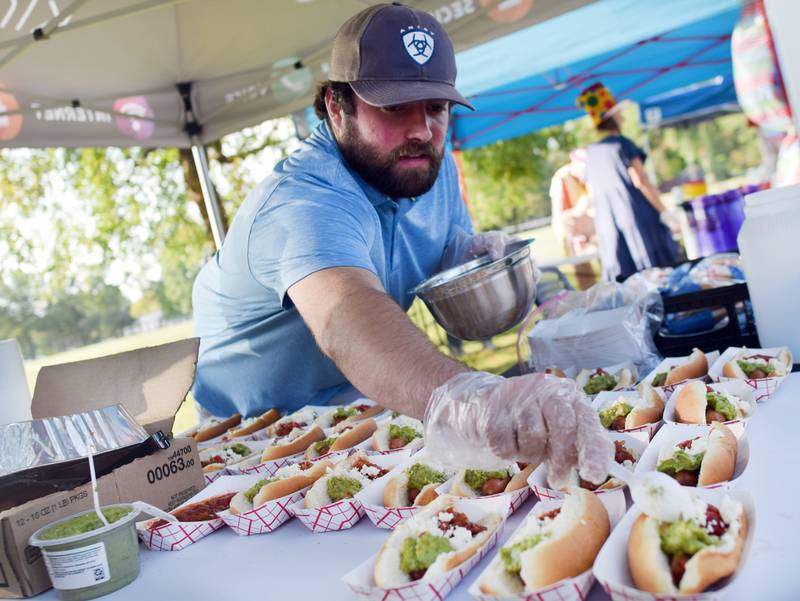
[(715, 221)]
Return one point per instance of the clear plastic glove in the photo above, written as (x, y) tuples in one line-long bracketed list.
[(465, 247), (484, 421), (671, 220)]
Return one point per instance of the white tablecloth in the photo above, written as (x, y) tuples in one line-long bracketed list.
[(293, 563)]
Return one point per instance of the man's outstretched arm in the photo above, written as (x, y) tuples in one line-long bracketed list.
[(371, 339)]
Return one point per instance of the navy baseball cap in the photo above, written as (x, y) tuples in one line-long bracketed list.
[(392, 54)]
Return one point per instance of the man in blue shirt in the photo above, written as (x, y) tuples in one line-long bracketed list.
[(306, 299)]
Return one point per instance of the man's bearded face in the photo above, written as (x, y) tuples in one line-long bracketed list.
[(408, 169)]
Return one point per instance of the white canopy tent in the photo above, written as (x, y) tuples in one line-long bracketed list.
[(179, 73)]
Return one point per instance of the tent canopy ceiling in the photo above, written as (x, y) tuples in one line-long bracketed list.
[(105, 72), (638, 48)]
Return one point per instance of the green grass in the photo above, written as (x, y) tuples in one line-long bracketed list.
[(495, 360)]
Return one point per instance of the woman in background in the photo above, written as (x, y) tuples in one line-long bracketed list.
[(633, 226)]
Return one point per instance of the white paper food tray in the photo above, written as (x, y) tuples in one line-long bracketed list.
[(763, 388), (265, 518), (174, 536), (672, 434), (668, 363), (515, 498), (568, 589), (614, 499), (371, 498), (644, 432), (361, 582), (611, 565), (735, 387)]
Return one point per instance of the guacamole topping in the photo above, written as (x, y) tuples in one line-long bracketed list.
[(681, 461), (342, 487), (748, 367), (660, 379), (420, 475), (510, 555), (239, 449), (324, 445), (684, 537), (599, 383), (251, 492), (407, 433), (721, 404), (419, 553), (85, 523), (607, 416), (475, 479), (344, 413)]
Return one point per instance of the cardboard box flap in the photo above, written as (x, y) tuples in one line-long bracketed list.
[(150, 382)]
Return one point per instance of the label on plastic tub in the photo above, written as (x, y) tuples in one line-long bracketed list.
[(77, 568)]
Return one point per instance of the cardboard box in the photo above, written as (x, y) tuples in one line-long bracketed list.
[(151, 383)]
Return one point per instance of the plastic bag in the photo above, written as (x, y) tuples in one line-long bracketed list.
[(607, 324)]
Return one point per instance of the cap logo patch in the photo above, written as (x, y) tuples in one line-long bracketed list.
[(418, 42)]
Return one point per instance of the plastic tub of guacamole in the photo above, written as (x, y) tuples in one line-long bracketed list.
[(86, 559)]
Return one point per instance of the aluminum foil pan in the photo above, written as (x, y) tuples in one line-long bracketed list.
[(52, 440)]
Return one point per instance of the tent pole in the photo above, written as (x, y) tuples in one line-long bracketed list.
[(209, 196)]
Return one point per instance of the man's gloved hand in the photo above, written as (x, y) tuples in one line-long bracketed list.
[(482, 420), (464, 247)]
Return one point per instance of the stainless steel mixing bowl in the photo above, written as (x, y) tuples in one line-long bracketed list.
[(482, 298)]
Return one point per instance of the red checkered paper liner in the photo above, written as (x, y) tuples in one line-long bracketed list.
[(209, 477), (763, 388), (668, 363), (371, 497), (672, 434), (645, 432), (263, 519), (328, 518), (737, 388), (611, 565), (569, 589), (174, 536), (360, 580)]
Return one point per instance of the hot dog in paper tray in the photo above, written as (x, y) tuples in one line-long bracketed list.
[(396, 434), (425, 557), (360, 409), (762, 369), (412, 483), (550, 555), (627, 452), (261, 504), (510, 482), (675, 542), (694, 402), (196, 519), (330, 504), (635, 412), (695, 455), (673, 371)]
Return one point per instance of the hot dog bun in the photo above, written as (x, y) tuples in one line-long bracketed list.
[(263, 420), (691, 403), (696, 366), (347, 439), (719, 460), (460, 488), (214, 430), (380, 438), (731, 368), (650, 411), (395, 493), (576, 535), (387, 572), (297, 445), (624, 377), (371, 412), (650, 568), (279, 488)]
